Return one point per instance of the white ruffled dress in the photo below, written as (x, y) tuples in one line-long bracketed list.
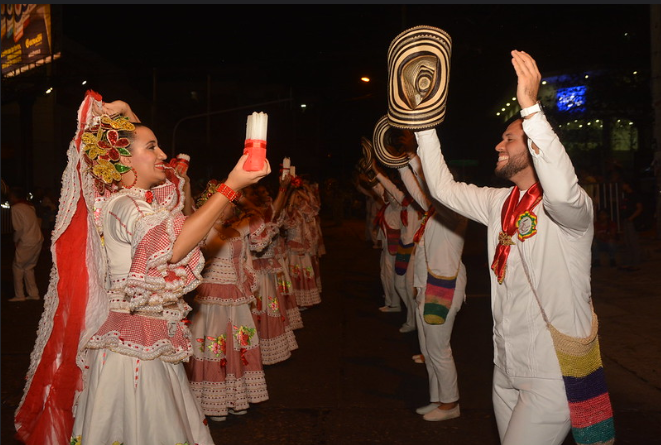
[(136, 391)]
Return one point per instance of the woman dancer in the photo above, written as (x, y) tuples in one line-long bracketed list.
[(299, 246), (271, 313), (226, 372), (111, 340)]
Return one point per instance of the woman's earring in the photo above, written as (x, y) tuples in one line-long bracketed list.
[(135, 179)]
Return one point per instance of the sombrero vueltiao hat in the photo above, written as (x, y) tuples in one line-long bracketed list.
[(392, 145), (418, 76), (368, 152)]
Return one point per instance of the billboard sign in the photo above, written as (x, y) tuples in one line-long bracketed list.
[(26, 37)]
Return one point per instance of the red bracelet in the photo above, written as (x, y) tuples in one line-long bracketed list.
[(283, 189), (227, 191)]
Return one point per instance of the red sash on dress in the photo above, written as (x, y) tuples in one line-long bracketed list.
[(512, 209)]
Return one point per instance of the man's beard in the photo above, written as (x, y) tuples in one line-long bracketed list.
[(513, 166)]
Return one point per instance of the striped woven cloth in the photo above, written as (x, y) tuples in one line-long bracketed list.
[(438, 298), (585, 384), (402, 257)]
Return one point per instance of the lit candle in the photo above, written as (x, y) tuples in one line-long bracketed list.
[(285, 167), (255, 145)]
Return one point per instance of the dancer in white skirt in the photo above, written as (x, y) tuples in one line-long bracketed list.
[(317, 245), (276, 336), (107, 364), (298, 243), (225, 372)]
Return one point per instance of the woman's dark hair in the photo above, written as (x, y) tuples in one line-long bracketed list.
[(130, 134), (514, 119)]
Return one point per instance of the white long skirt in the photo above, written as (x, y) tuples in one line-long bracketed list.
[(304, 281), (137, 402)]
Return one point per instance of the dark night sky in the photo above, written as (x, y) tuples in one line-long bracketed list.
[(327, 47), (326, 42)]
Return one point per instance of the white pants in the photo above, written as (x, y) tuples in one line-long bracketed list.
[(25, 260), (530, 410), (405, 290), (388, 277), (435, 346)]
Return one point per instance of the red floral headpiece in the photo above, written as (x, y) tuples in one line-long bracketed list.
[(103, 148), (208, 192)]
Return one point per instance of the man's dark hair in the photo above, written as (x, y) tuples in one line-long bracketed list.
[(514, 119), (18, 192)]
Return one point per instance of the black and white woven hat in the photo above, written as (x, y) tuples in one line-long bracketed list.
[(418, 77), (368, 152), (392, 145)]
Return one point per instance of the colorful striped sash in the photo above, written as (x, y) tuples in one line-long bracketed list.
[(402, 257), (438, 298), (582, 371), (393, 240), (585, 384)]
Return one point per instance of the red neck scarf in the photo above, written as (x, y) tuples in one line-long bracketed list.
[(427, 215), (380, 219), (512, 210), (404, 214)]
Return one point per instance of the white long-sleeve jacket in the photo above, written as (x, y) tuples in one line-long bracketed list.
[(557, 256)]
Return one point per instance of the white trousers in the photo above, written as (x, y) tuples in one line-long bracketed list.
[(405, 290), (388, 277), (435, 346), (434, 342), (530, 410), (25, 260)]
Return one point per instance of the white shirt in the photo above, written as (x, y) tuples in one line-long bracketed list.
[(27, 229), (442, 243), (392, 212), (413, 221), (557, 256)]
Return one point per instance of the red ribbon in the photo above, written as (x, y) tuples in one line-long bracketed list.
[(380, 219), (427, 216), (404, 214), (256, 151), (253, 143), (512, 209)]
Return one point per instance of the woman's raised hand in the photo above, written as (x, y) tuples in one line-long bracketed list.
[(116, 108), (240, 178)]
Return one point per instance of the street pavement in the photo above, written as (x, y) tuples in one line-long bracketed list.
[(352, 380)]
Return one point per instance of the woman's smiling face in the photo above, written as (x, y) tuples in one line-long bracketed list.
[(146, 158)]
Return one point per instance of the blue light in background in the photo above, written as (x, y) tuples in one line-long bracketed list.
[(571, 99)]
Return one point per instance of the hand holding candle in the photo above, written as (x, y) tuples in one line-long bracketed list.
[(286, 163), (255, 145)]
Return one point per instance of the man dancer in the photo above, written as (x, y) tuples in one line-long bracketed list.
[(550, 251)]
